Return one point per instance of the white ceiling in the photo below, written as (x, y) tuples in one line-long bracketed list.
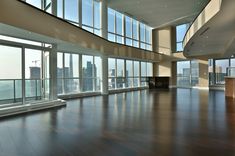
[(159, 13)]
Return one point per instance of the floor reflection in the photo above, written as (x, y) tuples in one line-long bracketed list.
[(148, 122)]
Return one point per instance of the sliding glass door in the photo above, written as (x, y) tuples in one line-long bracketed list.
[(36, 74), (24, 74)]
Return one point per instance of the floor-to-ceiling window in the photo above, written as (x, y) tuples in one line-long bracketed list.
[(137, 34), (143, 73), (27, 77), (115, 26), (87, 73), (67, 73), (145, 37), (187, 73), (121, 28), (91, 16), (71, 10), (10, 79), (112, 73), (33, 74), (180, 33), (219, 68), (128, 73), (72, 81), (120, 80), (136, 81), (97, 73)]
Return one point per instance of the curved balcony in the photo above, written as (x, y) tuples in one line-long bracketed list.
[(212, 34)]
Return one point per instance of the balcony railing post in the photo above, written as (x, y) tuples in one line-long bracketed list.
[(14, 91), (36, 89)]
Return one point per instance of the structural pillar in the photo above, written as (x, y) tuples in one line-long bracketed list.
[(53, 72), (105, 74)]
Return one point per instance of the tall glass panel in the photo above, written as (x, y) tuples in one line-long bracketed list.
[(71, 73), (180, 33), (142, 32), (119, 28), (148, 34), (128, 27), (33, 74), (87, 71), (221, 70), (135, 30), (68, 65), (119, 23), (71, 10), (60, 8), (143, 73), (120, 81), (135, 33), (87, 12), (111, 20), (112, 72), (183, 73), (97, 18), (149, 69), (136, 74), (97, 73), (60, 74), (10, 79), (129, 73), (194, 73), (143, 69)]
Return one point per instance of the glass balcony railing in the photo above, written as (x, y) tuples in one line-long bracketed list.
[(11, 90), (73, 86)]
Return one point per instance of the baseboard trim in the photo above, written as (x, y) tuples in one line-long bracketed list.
[(40, 105)]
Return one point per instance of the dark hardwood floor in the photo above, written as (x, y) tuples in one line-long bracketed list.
[(179, 122)]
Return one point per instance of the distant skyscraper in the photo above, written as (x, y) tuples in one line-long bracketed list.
[(35, 76), (88, 78), (35, 72)]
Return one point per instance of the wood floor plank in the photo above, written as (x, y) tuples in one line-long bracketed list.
[(140, 123)]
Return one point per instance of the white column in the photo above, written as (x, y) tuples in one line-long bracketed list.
[(53, 72), (23, 75), (104, 19), (104, 78)]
